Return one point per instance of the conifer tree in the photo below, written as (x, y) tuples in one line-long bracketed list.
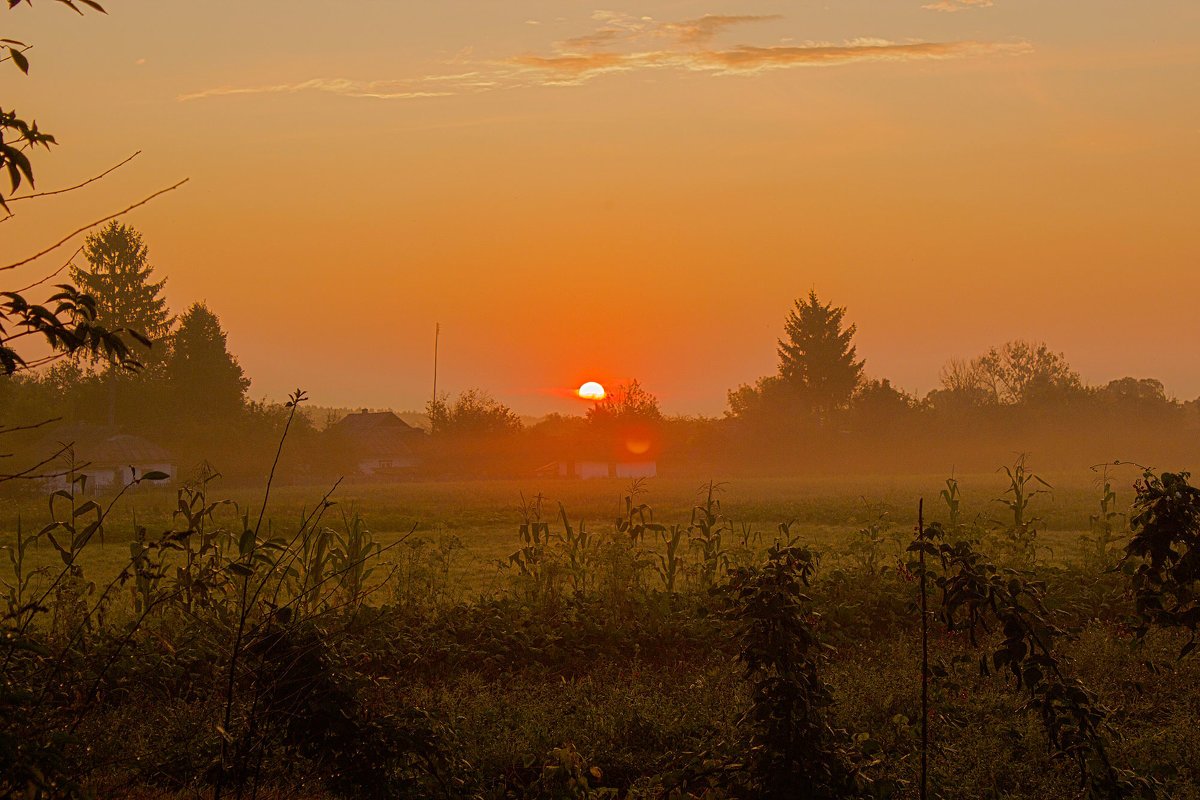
[(817, 357), (205, 380), (121, 280)]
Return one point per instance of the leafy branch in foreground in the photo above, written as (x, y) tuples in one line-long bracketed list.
[(1166, 537), (67, 323), (974, 593)]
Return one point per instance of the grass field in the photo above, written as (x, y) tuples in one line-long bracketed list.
[(589, 668), (485, 515)]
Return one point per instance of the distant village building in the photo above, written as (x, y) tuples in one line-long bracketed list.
[(380, 444), (601, 469), (625, 453), (106, 460)]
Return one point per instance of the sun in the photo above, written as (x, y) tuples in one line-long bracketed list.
[(591, 391)]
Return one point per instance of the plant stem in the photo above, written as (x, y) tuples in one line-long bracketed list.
[(924, 656)]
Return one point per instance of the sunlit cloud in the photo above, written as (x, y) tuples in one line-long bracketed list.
[(626, 43), (706, 28), (623, 29), (600, 38), (744, 59), (956, 5), (380, 90)]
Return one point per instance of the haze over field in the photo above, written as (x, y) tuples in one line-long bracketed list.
[(641, 191)]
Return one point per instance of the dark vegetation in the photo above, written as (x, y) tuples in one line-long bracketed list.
[(643, 658)]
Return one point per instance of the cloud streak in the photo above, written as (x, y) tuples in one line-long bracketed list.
[(951, 6), (624, 43), (748, 59), (624, 30), (708, 27), (381, 90)]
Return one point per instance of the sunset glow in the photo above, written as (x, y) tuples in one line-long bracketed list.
[(691, 166)]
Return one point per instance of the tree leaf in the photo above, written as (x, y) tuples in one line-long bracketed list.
[(19, 59)]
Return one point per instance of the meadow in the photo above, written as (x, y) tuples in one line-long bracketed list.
[(664, 638), (483, 515)]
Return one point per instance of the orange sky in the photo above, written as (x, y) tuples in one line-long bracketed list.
[(578, 191)]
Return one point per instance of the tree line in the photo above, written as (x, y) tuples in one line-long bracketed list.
[(822, 406), (177, 385), (173, 380)]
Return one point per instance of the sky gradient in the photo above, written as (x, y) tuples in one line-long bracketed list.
[(578, 191)]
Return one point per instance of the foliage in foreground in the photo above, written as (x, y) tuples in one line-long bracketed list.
[(224, 659)]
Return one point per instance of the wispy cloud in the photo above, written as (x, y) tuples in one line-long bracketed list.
[(619, 30), (574, 68), (382, 90), (600, 38), (626, 43), (956, 5), (706, 28)]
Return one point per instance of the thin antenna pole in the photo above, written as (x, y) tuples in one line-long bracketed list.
[(437, 332)]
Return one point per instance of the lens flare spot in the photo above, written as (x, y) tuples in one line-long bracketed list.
[(637, 447)]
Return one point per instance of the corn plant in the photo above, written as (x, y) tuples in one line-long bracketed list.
[(745, 544), (147, 572), (952, 497), (1106, 526), (638, 517), (537, 572), (579, 550), (19, 606), (201, 578), (1021, 531), (868, 545), (671, 562), (707, 530)]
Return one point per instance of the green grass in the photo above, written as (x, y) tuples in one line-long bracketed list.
[(635, 713), (484, 515)]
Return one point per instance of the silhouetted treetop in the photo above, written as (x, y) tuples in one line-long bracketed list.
[(120, 278), (475, 412), (817, 357), (626, 403), (201, 371), (1017, 372)]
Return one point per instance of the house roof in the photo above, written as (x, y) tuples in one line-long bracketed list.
[(377, 434), (372, 423), (125, 449), (102, 446)]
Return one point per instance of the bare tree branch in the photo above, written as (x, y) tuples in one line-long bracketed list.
[(32, 474), (52, 275), (28, 427), (76, 186), (88, 227)]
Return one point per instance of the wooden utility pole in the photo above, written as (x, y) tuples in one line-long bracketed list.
[(437, 332)]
